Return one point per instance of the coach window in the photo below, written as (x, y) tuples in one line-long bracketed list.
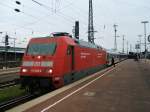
[(69, 50)]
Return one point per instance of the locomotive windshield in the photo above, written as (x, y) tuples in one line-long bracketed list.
[(41, 48)]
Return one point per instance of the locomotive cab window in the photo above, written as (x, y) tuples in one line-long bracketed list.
[(41, 48), (69, 50)]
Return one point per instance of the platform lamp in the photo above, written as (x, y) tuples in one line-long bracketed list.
[(145, 22), (18, 3), (140, 44)]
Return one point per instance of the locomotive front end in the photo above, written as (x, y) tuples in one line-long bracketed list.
[(38, 64)]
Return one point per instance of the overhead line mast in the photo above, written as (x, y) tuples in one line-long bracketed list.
[(90, 23), (115, 41)]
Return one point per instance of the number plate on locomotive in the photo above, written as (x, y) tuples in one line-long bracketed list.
[(36, 70)]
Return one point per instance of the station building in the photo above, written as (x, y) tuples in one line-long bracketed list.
[(13, 56)]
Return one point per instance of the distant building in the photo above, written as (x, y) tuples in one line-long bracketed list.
[(12, 49), (13, 54)]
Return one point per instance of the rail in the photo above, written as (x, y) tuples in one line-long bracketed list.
[(22, 99), (9, 78), (9, 83), (16, 101)]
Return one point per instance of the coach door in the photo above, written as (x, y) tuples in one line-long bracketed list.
[(70, 54)]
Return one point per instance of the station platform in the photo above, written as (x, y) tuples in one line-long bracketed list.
[(9, 70), (124, 88)]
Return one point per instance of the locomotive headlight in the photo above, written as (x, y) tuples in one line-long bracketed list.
[(24, 70), (39, 57), (50, 71)]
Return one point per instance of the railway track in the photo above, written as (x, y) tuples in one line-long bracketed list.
[(9, 83), (16, 101), (9, 78)]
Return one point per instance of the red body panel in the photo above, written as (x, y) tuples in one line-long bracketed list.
[(88, 57)]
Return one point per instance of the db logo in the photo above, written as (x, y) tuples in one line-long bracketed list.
[(37, 63)]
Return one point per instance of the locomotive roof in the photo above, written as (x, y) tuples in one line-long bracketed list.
[(68, 38), (87, 44), (80, 42)]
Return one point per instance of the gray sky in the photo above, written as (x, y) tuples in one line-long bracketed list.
[(59, 15)]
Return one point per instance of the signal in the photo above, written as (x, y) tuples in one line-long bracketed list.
[(6, 40)]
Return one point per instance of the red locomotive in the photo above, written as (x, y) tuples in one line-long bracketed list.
[(54, 61)]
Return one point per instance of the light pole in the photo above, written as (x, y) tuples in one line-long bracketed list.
[(145, 22), (127, 47), (115, 41), (123, 44), (140, 43), (6, 49), (14, 39), (130, 47)]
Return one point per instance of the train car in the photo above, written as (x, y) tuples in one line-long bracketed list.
[(54, 61), (116, 55)]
